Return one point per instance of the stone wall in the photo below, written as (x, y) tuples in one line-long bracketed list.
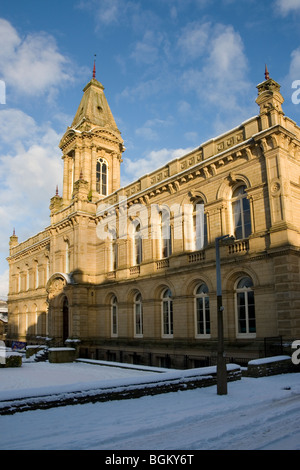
[(59, 355), (270, 366)]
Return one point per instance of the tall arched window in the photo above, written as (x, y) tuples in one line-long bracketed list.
[(165, 234), (114, 255), (36, 320), (36, 275), (19, 280), (137, 246), (202, 313), (167, 313), (26, 320), (241, 213), (138, 315), (27, 278), (246, 324), (199, 225), (113, 251), (67, 260), (101, 176), (114, 316), (47, 269)]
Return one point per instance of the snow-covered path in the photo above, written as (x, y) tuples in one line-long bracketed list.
[(256, 414)]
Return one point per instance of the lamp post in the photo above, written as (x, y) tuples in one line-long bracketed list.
[(221, 363)]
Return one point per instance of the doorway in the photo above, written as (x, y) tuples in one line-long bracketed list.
[(65, 319)]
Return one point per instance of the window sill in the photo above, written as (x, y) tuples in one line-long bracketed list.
[(246, 335)]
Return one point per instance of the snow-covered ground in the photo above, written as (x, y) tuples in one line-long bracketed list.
[(259, 413)]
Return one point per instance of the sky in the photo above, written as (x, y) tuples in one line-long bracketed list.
[(176, 73)]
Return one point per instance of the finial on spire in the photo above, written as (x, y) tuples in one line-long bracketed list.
[(94, 69), (267, 76), (14, 232), (56, 194)]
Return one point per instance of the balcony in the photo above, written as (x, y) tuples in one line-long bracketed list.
[(134, 270), (111, 275), (196, 257), (239, 246), (162, 263)]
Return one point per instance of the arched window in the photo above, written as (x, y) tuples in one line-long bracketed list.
[(65, 318), (114, 316), (138, 315), (202, 314), (165, 234), (246, 324), (36, 319), (67, 261), (101, 176), (114, 255), (137, 246), (199, 226), (113, 251), (27, 278), (47, 270), (241, 213), (26, 320), (36, 275), (167, 313), (18, 280)]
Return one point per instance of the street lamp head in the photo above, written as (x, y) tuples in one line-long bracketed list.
[(226, 239)]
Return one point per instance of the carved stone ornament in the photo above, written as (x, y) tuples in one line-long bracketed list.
[(56, 287)]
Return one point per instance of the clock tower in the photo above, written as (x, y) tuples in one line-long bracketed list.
[(92, 147)]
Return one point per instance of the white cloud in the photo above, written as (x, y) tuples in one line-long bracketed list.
[(15, 123), (221, 78), (147, 50), (31, 65), (151, 162), (184, 107), (152, 127), (294, 71), (4, 284), (144, 89), (193, 40), (147, 133), (30, 168), (284, 7), (105, 12), (192, 137)]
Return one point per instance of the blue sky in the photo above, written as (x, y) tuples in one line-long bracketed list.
[(175, 72)]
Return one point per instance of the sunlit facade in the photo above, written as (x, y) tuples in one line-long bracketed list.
[(130, 271)]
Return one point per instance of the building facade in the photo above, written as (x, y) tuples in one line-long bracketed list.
[(130, 272)]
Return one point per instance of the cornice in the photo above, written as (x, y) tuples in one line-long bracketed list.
[(23, 253)]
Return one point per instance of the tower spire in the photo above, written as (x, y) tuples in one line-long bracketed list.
[(267, 76), (94, 69)]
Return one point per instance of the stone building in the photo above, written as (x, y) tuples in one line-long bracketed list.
[(3, 319), (131, 271)]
